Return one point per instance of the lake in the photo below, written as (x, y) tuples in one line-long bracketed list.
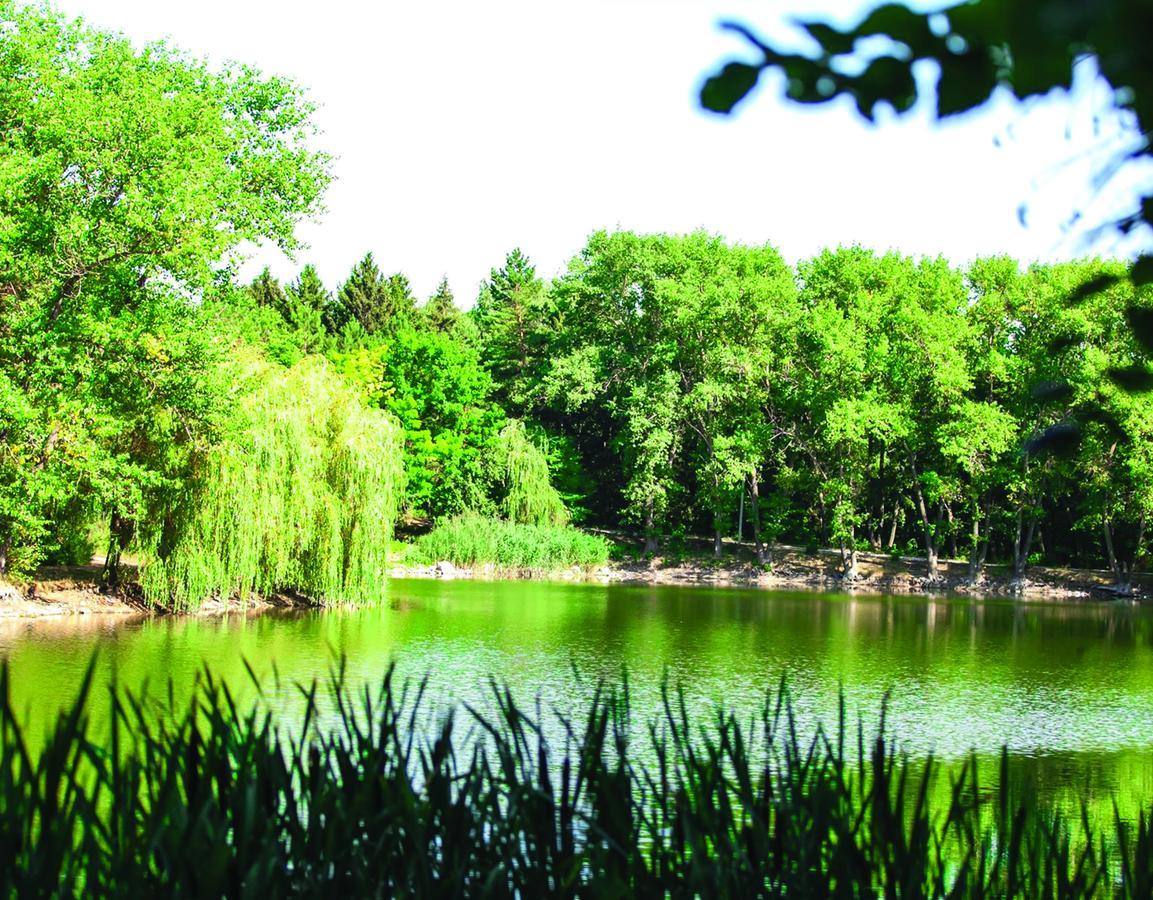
[(1067, 687)]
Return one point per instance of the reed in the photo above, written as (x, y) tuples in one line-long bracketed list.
[(359, 798), (472, 539)]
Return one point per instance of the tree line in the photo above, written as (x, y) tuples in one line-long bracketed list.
[(254, 437), (857, 400)]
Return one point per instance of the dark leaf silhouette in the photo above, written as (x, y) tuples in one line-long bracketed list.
[(1141, 321), (727, 88), (1064, 342), (1142, 271), (1091, 287)]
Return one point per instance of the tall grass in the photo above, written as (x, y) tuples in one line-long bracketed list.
[(471, 539), (209, 800)]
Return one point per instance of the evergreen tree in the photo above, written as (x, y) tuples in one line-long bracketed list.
[(512, 314), (378, 304), (440, 313), (267, 292), (401, 303), (305, 306), (363, 297)]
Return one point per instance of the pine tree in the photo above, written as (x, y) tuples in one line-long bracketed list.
[(401, 303), (306, 304), (440, 313), (512, 314), (363, 297), (380, 305), (267, 292)]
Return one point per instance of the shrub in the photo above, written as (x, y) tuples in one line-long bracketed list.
[(471, 539)]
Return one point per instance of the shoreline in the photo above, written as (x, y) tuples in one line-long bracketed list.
[(74, 590)]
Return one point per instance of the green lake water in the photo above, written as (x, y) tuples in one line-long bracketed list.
[(1067, 687)]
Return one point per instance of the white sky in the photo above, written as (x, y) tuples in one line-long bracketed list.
[(463, 129)]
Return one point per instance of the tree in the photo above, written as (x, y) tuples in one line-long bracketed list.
[(305, 302), (440, 313), (439, 392), (1028, 47), (267, 293), (513, 314), (130, 178), (299, 495), (363, 298)]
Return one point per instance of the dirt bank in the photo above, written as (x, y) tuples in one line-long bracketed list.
[(75, 590), (793, 567)]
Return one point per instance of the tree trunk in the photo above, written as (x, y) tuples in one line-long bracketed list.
[(952, 533), (979, 549), (651, 544), (892, 538), (927, 525), (755, 517), (1022, 543), (849, 557), (5, 549), (718, 550), (120, 531), (1115, 565)]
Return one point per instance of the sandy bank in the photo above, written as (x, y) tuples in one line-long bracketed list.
[(75, 591)]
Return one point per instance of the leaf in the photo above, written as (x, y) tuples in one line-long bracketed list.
[(1135, 379), (832, 41), (1060, 439), (1093, 286), (888, 79), (721, 92), (1052, 391), (901, 24), (966, 82), (1099, 415), (1141, 322), (1142, 271)]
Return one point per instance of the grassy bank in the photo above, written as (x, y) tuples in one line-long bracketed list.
[(210, 800), (472, 540)]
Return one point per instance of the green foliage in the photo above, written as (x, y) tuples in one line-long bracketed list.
[(529, 495), (1028, 47), (440, 313), (513, 315), (369, 800), (472, 540), (300, 496), (126, 179), (305, 301), (438, 391), (378, 304)]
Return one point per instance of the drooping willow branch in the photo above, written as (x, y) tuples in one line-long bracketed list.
[(301, 497)]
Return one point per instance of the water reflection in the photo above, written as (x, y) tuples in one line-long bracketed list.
[(1068, 687)]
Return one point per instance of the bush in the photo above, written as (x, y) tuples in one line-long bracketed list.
[(471, 539)]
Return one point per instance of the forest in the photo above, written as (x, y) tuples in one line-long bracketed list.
[(236, 437)]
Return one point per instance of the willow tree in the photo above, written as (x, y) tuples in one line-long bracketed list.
[(529, 495), (300, 498)]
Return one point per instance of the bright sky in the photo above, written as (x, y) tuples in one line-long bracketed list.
[(463, 129)]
